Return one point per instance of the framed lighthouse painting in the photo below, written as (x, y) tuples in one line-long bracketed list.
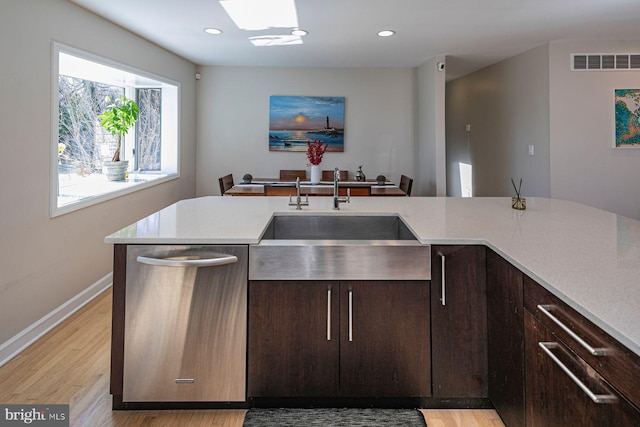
[(294, 120)]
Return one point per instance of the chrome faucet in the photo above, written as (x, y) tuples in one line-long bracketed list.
[(336, 198), (299, 203)]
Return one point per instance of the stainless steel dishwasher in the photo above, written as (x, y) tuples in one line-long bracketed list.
[(185, 323)]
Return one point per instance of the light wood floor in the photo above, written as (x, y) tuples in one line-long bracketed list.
[(71, 365)]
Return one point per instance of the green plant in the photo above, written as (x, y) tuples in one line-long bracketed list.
[(381, 178), (247, 177), (118, 118)]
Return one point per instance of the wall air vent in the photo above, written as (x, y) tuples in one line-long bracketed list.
[(605, 61)]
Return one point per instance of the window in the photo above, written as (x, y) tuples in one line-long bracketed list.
[(84, 85), (149, 130), (466, 179)]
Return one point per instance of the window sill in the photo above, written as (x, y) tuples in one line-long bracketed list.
[(77, 192)]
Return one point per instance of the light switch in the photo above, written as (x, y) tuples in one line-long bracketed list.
[(531, 149), (468, 127)]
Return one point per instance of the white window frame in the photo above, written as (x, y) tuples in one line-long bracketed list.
[(170, 148)]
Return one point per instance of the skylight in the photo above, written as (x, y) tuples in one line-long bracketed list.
[(262, 14), (264, 41)]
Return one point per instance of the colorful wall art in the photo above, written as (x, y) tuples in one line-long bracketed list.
[(627, 113), (294, 120)]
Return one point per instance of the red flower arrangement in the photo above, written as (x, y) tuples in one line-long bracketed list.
[(315, 151)]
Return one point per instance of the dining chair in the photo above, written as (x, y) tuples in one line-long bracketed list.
[(226, 182), (405, 184), (327, 175), (291, 175)]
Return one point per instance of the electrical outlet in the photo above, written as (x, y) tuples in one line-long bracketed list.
[(468, 127), (531, 149)]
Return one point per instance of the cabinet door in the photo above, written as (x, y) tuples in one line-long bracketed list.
[(505, 333), (384, 347), (293, 338), (555, 399), (459, 322)]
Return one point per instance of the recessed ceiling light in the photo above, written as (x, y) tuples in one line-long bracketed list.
[(299, 32), (213, 31), (386, 33)]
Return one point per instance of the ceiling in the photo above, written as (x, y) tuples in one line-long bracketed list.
[(342, 33)]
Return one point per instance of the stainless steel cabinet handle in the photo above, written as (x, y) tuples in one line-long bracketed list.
[(176, 262), (329, 314), (597, 398), (545, 309), (443, 298), (350, 315)]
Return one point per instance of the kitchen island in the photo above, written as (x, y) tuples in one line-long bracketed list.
[(588, 258)]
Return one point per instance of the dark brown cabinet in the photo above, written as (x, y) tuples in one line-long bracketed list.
[(384, 339), (563, 390), (505, 339), (293, 338), (576, 374), (350, 338), (459, 322)]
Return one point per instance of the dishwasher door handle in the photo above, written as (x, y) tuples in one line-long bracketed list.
[(223, 259)]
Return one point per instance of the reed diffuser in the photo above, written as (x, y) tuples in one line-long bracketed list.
[(518, 202)]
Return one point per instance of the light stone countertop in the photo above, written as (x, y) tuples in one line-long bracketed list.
[(588, 257)]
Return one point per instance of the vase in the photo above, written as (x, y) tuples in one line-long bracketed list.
[(519, 203), (115, 171), (315, 174)]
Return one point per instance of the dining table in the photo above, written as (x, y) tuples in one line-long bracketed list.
[(278, 187)]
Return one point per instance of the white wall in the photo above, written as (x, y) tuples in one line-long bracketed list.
[(431, 177), (44, 261), (507, 106), (233, 120), (584, 166), (534, 98)]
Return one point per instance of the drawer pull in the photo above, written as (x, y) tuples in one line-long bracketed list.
[(597, 398), (329, 314), (545, 309), (443, 289), (350, 315)]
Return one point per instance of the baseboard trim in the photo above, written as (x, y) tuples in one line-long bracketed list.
[(11, 348)]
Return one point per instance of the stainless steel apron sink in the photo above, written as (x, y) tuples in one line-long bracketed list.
[(339, 247)]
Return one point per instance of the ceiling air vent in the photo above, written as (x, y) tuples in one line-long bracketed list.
[(605, 61)]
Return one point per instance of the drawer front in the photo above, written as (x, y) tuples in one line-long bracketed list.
[(612, 360), (563, 390)]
